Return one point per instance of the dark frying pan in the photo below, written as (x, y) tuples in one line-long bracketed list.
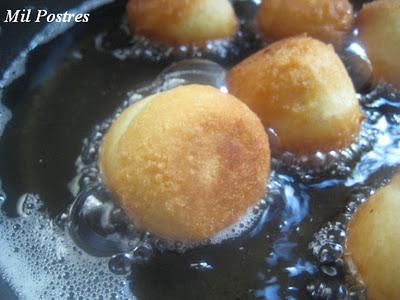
[(13, 39), (56, 103)]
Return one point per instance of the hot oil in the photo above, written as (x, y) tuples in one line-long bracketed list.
[(120, 43), (69, 239)]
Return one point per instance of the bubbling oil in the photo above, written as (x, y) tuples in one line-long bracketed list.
[(340, 162), (329, 242), (121, 44), (40, 261), (380, 134), (95, 213), (328, 247), (90, 249)]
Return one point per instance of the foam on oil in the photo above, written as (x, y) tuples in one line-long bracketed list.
[(85, 254), (88, 185), (139, 47), (40, 261), (383, 136)]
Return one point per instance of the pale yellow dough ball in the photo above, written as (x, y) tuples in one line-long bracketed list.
[(300, 88), (373, 243), (177, 22), (186, 163), (378, 24), (327, 20)]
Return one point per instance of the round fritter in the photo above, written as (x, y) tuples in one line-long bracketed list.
[(300, 88), (378, 24), (327, 20), (186, 163), (373, 243), (176, 22)]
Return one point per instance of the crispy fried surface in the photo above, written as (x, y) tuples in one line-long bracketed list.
[(178, 22), (373, 242), (187, 163), (327, 20), (378, 23), (300, 88)]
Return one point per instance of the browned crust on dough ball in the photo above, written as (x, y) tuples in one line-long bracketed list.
[(190, 163), (167, 21), (373, 243), (327, 20), (300, 88), (378, 24)]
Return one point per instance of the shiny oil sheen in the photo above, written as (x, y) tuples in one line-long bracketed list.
[(61, 231)]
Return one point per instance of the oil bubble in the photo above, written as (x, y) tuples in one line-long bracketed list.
[(375, 147), (122, 44), (39, 257), (28, 204), (96, 221), (120, 264), (42, 252), (328, 248)]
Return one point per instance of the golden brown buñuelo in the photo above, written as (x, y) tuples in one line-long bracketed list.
[(378, 24), (326, 20), (373, 243), (186, 163), (300, 88), (177, 22)]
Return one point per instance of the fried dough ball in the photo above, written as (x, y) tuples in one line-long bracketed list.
[(177, 22), (378, 23), (186, 163), (373, 243), (327, 20), (300, 88)]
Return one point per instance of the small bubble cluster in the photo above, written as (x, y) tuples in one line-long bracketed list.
[(122, 44), (88, 250), (333, 291), (96, 221), (328, 247), (28, 204), (35, 250), (376, 145), (335, 163), (96, 218)]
